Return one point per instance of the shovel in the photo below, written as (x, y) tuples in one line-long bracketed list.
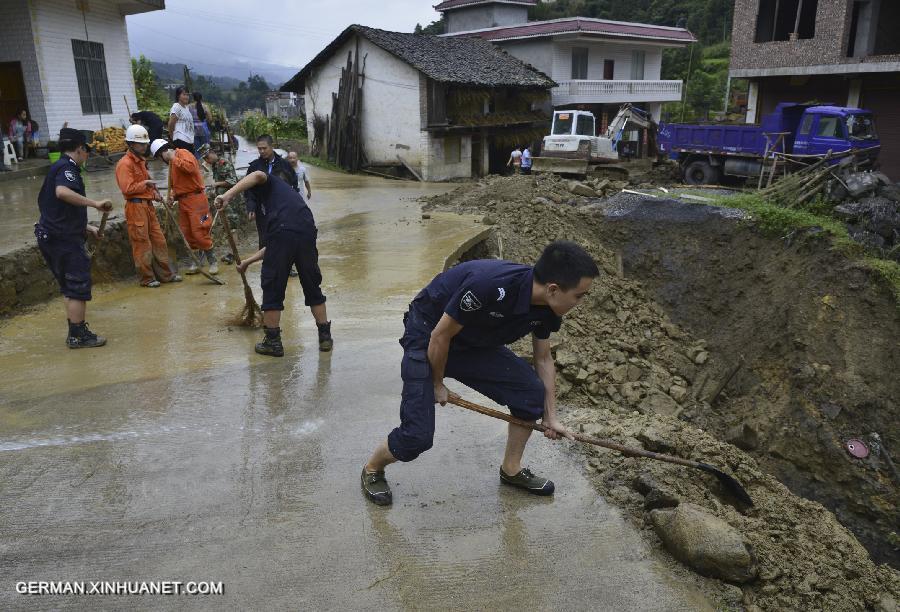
[(730, 484), (251, 315)]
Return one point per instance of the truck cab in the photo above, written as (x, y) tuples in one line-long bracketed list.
[(835, 129)]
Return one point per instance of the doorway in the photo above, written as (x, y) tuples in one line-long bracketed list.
[(12, 92)]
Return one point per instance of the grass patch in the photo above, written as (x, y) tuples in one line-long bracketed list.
[(889, 271), (321, 163)]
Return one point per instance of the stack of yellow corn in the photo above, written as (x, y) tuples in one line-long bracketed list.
[(109, 140)]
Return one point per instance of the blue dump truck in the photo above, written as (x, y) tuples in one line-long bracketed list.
[(708, 152)]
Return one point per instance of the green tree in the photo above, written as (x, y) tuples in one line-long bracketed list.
[(150, 94)]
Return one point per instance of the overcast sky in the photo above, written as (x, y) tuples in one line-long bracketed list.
[(285, 32)]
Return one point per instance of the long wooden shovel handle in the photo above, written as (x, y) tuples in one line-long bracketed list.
[(730, 484), (103, 219), (234, 249), (625, 450), (190, 251)]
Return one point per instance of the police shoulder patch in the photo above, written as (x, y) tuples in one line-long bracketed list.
[(469, 302), (71, 176)]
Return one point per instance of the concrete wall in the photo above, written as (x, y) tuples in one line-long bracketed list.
[(17, 45), (598, 52), (437, 167), (485, 16), (391, 121), (538, 52), (54, 25)]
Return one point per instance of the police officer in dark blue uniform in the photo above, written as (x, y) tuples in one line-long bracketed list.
[(62, 230), (268, 161), (458, 327), (290, 241)]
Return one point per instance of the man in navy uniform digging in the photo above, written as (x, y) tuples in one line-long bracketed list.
[(61, 233), (458, 327)]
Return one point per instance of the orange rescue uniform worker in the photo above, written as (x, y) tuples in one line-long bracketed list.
[(188, 188), (148, 243)]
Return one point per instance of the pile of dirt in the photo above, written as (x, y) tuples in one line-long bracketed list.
[(634, 368)]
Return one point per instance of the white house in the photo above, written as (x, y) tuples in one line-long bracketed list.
[(68, 61), (598, 64), (446, 107)]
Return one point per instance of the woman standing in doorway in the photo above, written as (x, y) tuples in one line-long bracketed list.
[(181, 122)]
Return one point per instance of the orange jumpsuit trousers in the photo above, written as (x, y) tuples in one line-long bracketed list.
[(148, 243), (195, 220)]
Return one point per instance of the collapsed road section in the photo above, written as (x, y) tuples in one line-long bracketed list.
[(708, 339)]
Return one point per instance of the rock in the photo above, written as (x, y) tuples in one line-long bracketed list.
[(659, 403), (672, 331), (678, 393), (744, 436), (541, 201), (633, 373), (426, 216), (556, 198), (701, 357), (654, 440), (886, 603), (631, 392), (580, 189), (619, 374), (582, 375), (706, 543), (566, 358), (660, 498)]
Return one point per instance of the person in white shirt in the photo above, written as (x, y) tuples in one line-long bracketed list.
[(181, 121), (515, 159), (301, 172)]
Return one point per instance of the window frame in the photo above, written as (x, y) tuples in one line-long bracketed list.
[(581, 55), (92, 77)]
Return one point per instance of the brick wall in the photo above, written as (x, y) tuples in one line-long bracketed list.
[(827, 47)]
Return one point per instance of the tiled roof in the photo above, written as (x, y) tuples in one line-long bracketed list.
[(468, 61), (585, 25), (452, 4)]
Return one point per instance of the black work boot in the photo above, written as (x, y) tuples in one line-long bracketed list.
[(271, 344), (325, 341), (82, 337)]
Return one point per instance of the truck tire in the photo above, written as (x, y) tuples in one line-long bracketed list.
[(700, 173)]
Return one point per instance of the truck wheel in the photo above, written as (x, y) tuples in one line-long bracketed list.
[(700, 173)]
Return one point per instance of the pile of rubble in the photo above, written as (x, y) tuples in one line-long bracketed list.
[(628, 373)]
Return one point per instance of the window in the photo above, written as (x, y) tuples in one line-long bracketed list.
[(637, 65), (90, 69), (786, 20), (806, 126), (452, 148), (609, 70), (585, 125), (562, 124), (579, 63), (437, 103), (861, 127), (830, 127)]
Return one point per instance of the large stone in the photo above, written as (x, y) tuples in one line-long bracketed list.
[(706, 543), (744, 436), (581, 189), (659, 403)]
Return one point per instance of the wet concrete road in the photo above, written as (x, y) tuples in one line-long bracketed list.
[(176, 453)]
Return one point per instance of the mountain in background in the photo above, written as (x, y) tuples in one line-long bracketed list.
[(226, 77)]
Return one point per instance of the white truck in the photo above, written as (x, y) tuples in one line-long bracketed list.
[(573, 146)]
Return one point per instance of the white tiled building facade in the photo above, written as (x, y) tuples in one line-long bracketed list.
[(37, 43)]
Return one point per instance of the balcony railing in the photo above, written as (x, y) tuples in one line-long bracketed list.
[(603, 92)]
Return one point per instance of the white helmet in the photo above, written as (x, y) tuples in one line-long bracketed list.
[(158, 145), (137, 133)]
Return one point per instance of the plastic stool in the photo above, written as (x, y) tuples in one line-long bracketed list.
[(9, 153)]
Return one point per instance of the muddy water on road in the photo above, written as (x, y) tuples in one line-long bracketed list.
[(175, 452)]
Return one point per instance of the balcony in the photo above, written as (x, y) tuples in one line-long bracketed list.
[(615, 92)]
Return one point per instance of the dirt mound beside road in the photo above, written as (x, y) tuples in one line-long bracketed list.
[(687, 292)]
